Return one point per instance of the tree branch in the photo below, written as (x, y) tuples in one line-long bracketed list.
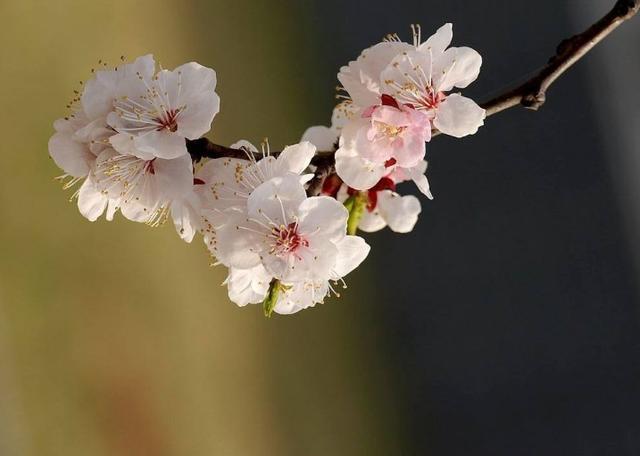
[(531, 94)]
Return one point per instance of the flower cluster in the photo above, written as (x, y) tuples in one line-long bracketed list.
[(126, 141), (285, 244)]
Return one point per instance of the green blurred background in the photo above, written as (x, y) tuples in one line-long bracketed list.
[(116, 338)]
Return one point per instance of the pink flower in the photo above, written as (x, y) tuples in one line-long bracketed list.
[(385, 137), (395, 132)]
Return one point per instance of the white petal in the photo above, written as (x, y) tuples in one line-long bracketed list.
[(400, 212), (352, 251), (400, 76), (416, 174), (73, 157), (300, 296), (296, 158), (277, 200), (161, 144), (361, 78), (197, 95), (324, 138), (237, 242), (223, 186), (248, 286), (91, 202), (342, 113), (315, 261), (356, 171), (324, 216), (457, 67), (459, 116), (186, 216), (371, 221), (244, 144), (100, 92), (174, 177), (439, 41)]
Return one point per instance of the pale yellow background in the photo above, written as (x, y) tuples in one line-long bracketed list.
[(117, 339)]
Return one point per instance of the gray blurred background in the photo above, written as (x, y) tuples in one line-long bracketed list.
[(512, 309), (505, 324)]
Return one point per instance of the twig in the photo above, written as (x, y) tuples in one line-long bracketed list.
[(531, 94)]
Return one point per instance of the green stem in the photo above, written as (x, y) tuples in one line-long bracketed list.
[(356, 205)]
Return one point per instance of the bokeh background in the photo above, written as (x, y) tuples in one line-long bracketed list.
[(506, 323)]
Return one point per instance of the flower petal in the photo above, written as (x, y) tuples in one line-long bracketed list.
[(71, 156), (399, 78), (356, 171), (416, 174), (186, 216), (91, 202), (400, 212), (174, 177), (296, 158), (439, 41), (277, 200), (361, 78), (324, 138), (459, 116), (371, 221), (248, 286), (352, 251), (300, 296), (457, 67), (323, 216), (160, 144), (237, 241), (201, 103)]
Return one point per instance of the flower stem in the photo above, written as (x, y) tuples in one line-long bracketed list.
[(356, 205)]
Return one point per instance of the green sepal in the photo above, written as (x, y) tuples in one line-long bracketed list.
[(270, 301), (356, 205)]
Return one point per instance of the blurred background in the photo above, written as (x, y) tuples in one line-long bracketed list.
[(506, 323)]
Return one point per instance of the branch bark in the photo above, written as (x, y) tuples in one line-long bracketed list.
[(531, 94)]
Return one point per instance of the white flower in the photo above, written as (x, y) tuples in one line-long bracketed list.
[(81, 136), (186, 212), (361, 173), (352, 250), (101, 91), (361, 78), (294, 237), (228, 182), (250, 286), (77, 142), (153, 113), (143, 190), (399, 89), (421, 77)]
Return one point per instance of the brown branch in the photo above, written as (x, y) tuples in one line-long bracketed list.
[(531, 94)]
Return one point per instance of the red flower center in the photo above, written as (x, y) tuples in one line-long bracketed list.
[(432, 99), (287, 239), (168, 120)]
